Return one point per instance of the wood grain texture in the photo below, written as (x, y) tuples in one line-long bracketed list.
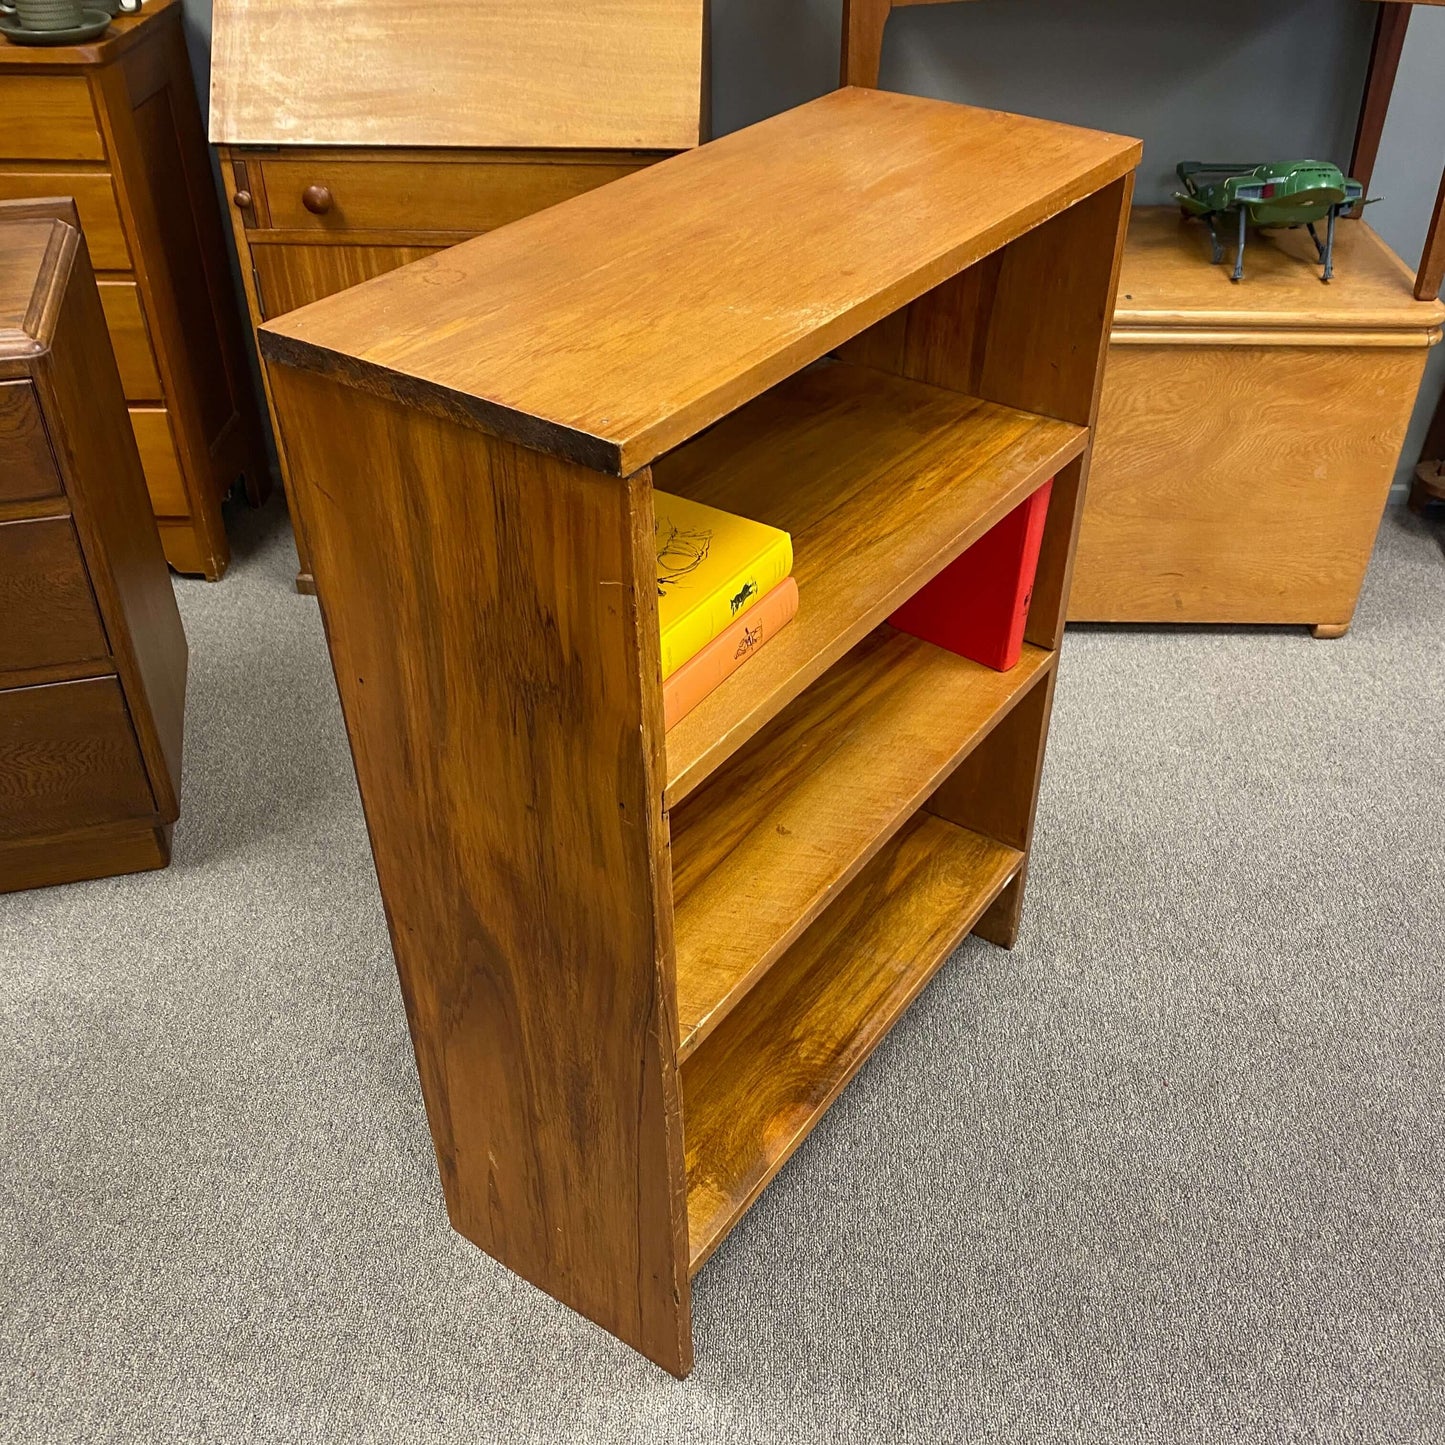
[(80, 393), (770, 840), (420, 191), (1224, 491), (583, 330), (760, 1084), (493, 628), (99, 852), (68, 759), (94, 194), (995, 791), (297, 275), (156, 446), (134, 354), (1431, 275), (29, 472), (612, 73), (1167, 283), (48, 118), (49, 613), (881, 482)]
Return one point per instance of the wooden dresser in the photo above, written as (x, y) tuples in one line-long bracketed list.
[(394, 140), (92, 656), (115, 124)]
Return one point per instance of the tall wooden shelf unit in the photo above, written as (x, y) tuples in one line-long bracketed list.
[(639, 965)]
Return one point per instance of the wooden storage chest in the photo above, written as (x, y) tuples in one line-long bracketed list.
[(1248, 433)]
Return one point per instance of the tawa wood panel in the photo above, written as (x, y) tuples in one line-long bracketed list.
[(474, 442), (92, 656), (1248, 434)]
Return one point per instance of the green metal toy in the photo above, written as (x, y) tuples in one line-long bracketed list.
[(1285, 193)]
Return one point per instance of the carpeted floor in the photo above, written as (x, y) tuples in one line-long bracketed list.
[(1173, 1170)]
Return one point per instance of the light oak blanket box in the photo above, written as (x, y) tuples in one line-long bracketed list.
[(1248, 434)]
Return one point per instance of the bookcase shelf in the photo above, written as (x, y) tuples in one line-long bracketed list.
[(882, 482), (767, 1075), (638, 963), (760, 850)]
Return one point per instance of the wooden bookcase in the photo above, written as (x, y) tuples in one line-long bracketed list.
[(639, 965)]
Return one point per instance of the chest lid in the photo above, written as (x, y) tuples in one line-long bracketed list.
[(1167, 284), (610, 74)]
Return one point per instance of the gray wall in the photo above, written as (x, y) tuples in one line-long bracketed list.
[(1227, 79)]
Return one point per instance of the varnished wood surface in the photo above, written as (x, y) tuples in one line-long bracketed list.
[(29, 473), (68, 759), (156, 446), (94, 194), (768, 842), (584, 331), (1240, 484), (611, 73), (134, 354), (426, 191), (1168, 283), (47, 117), (123, 32), (764, 1079), (24, 284), (99, 852), (49, 615), (493, 628), (80, 393), (881, 482), (296, 275)]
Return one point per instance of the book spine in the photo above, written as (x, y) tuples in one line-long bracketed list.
[(690, 633), (728, 651)]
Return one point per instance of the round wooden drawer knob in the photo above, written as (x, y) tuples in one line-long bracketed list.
[(242, 200), (317, 199)]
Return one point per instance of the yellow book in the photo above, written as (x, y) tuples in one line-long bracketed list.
[(712, 567)]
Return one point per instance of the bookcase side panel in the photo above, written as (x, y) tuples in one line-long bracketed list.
[(496, 658)]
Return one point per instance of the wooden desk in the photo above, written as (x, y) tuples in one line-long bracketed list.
[(417, 126), (114, 123), (640, 964), (92, 656)]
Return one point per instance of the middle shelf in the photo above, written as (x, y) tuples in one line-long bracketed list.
[(760, 850), (881, 482)]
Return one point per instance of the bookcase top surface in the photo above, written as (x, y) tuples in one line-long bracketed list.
[(607, 74), (611, 328)]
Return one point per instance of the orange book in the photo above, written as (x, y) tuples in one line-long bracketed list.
[(728, 651)]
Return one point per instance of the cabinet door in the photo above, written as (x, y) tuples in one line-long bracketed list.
[(288, 276)]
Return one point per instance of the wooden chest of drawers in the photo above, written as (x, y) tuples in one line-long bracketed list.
[(92, 656), (114, 124)]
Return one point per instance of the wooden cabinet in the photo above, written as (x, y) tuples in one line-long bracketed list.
[(641, 962), (471, 119), (114, 124), (92, 656), (1248, 433)]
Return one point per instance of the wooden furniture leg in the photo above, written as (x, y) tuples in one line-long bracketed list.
[(1390, 26)]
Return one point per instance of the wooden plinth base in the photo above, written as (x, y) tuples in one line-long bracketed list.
[(86, 853)]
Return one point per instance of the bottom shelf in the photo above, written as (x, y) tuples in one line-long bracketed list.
[(757, 1086)]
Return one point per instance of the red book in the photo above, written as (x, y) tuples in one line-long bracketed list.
[(685, 688), (978, 604)]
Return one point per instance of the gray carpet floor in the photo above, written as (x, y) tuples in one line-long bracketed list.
[(1169, 1171)]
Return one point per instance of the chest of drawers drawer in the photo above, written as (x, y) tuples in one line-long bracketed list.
[(46, 600), (68, 758), (29, 473), (95, 199), (465, 193), (48, 118)]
